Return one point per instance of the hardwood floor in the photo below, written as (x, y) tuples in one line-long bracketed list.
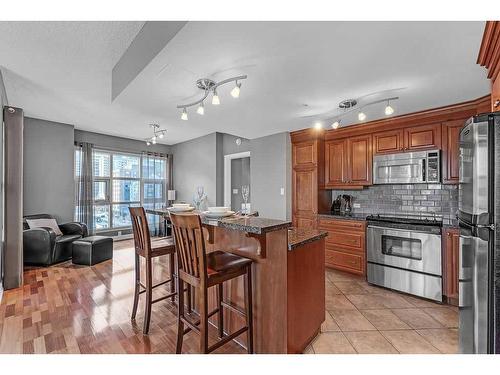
[(362, 318), (77, 309)]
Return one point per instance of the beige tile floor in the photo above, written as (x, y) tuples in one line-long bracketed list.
[(361, 318)]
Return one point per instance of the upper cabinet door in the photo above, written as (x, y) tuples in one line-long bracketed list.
[(360, 160), (423, 137), (305, 154), (388, 142), (450, 139), (336, 162), (305, 192)]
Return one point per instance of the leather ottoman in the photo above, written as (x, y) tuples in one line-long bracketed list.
[(92, 250)]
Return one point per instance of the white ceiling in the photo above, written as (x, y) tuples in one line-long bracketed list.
[(297, 73)]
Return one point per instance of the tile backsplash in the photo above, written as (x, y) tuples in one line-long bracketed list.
[(419, 199)]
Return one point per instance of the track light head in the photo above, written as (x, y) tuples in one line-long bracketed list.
[(201, 109), (215, 99), (318, 125), (388, 109), (235, 93), (184, 115)]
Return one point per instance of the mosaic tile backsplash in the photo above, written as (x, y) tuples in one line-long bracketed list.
[(419, 199)]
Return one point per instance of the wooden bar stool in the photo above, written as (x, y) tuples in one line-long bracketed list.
[(202, 271), (148, 249)]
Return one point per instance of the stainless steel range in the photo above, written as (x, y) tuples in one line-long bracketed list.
[(404, 253)]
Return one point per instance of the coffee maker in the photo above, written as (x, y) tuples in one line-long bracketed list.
[(342, 205)]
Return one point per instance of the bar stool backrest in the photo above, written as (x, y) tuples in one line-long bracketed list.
[(142, 239), (190, 245)]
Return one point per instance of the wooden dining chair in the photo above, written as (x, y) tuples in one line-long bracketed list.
[(202, 270), (149, 249)]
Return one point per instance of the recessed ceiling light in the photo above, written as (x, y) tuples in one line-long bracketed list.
[(336, 124), (361, 116), (318, 125)]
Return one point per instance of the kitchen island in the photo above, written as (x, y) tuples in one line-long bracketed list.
[(288, 280)]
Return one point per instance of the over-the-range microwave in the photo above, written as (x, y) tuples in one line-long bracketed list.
[(407, 168)]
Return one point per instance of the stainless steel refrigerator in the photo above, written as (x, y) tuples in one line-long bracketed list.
[(479, 198)]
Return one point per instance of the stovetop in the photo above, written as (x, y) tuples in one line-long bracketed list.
[(407, 219)]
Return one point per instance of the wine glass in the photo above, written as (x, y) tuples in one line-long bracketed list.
[(199, 197), (245, 192)]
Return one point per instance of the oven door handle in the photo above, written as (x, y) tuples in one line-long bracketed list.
[(387, 230)]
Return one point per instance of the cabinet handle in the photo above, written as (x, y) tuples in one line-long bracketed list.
[(497, 103)]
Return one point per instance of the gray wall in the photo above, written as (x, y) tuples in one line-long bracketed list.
[(201, 162), (240, 175), (195, 164), (48, 168), (118, 143), (271, 171), (420, 199)]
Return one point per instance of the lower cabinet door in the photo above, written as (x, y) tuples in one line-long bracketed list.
[(345, 261)]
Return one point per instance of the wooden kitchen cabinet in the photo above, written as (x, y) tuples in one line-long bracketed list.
[(348, 163), (415, 138), (450, 265), (305, 154), (489, 57), (308, 179), (359, 160), (345, 248), (450, 149), (423, 137), (388, 142), (336, 162)]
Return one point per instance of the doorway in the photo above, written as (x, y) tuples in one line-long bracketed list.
[(237, 181)]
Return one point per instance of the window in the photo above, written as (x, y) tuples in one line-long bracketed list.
[(122, 180)]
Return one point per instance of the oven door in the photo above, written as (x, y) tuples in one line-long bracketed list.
[(406, 168), (406, 249)]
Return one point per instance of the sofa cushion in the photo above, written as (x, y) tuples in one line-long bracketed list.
[(49, 223)]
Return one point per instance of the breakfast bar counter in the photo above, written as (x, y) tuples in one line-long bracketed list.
[(288, 280)]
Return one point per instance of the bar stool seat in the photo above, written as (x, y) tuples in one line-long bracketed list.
[(222, 266)]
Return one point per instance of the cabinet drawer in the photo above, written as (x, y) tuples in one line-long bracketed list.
[(351, 240), (342, 260), (333, 224)]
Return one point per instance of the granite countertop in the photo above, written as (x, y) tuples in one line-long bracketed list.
[(329, 215), (300, 236), (249, 224)]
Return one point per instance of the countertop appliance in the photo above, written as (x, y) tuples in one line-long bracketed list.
[(407, 168), (342, 205), (479, 251), (404, 253)]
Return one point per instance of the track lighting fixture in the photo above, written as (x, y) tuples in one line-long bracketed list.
[(210, 86), (184, 115), (157, 133), (201, 109), (348, 106)]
